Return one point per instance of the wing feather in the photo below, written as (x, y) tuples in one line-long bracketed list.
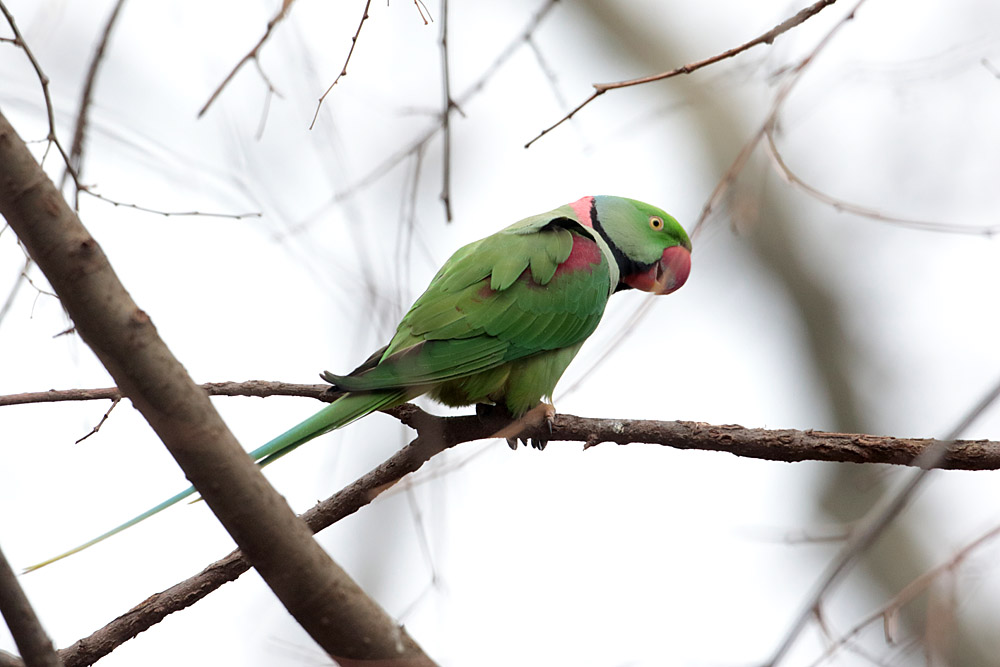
[(497, 300)]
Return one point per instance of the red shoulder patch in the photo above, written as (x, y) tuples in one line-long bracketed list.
[(584, 255)]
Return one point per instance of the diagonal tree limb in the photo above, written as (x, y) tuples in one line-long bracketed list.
[(436, 434), (35, 646), (874, 524), (344, 503), (337, 614)]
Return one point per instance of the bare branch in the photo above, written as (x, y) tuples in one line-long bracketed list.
[(840, 205), (9, 659), (871, 527), (420, 143), (448, 105), (79, 132), (770, 120), (787, 445), (97, 428), (343, 70), (422, 9), (249, 388), (909, 593), (253, 54), (52, 138), (329, 605), (35, 646), (168, 214), (436, 434), (765, 38)]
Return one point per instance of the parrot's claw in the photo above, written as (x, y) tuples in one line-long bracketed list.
[(534, 443), (486, 411), (550, 420)]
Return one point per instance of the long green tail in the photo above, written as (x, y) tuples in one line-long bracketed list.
[(341, 412)]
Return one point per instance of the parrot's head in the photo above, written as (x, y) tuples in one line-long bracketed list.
[(652, 249)]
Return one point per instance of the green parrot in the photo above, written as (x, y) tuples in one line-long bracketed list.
[(501, 320)]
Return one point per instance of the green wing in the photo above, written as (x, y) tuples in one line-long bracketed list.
[(506, 312), (504, 298)]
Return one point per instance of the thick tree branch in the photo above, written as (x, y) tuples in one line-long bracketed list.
[(35, 646), (350, 626)]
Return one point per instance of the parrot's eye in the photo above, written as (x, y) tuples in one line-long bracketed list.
[(656, 222)]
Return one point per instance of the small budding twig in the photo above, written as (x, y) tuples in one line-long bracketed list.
[(169, 214), (795, 181), (343, 70), (52, 138), (97, 428), (766, 38), (253, 54)]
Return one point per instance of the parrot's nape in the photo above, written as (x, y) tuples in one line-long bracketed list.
[(501, 320)]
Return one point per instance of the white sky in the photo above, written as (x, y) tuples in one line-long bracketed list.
[(633, 555)]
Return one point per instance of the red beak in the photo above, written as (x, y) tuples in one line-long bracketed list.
[(667, 275)]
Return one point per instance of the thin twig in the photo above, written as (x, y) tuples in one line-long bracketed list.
[(35, 646), (79, 132), (422, 9), (908, 593), (169, 214), (420, 143), (252, 54), (22, 278), (765, 38), (869, 529), (445, 116), (547, 71), (793, 77), (840, 205), (272, 91), (97, 428), (52, 138), (343, 70)]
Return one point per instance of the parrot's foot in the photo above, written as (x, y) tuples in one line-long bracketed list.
[(489, 411), (546, 411)]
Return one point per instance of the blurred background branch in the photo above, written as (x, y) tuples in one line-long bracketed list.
[(806, 309)]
